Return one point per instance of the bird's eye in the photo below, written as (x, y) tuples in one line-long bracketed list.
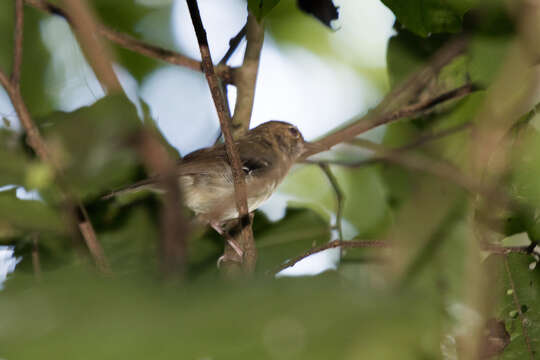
[(294, 132)]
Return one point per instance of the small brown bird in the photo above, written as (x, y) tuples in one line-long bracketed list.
[(267, 153)]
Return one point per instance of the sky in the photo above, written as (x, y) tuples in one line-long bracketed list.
[(295, 85)]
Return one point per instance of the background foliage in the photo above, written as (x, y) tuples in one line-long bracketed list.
[(358, 309)]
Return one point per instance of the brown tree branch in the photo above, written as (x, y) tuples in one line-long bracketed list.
[(517, 305), (419, 162), (245, 77), (174, 227), (356, 244), (98, 56), (130, 43), (36, 266), (233, 44), (36, 142), (18, 47), (423, 139), (375, 118), (248, 244), (330, 245)]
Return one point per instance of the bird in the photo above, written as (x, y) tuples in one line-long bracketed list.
[(267, 153)]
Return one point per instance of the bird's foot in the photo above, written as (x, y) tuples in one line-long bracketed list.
[(236, 257)]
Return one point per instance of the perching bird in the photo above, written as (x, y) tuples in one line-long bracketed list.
[(267, 153)]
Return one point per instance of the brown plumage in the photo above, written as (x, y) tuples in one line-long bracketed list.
[(267, 153)]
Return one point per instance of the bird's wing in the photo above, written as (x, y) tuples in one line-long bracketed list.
[(255, 157)]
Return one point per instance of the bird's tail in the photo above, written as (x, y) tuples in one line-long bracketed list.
[(146, 184)]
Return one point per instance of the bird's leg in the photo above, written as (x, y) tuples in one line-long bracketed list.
[(240, 254)]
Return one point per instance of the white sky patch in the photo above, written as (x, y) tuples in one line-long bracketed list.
[(180, 103), (7, 263)]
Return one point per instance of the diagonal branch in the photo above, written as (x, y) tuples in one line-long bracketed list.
[(245, 77), (18, 48), (350, 244), (375, 118), (128, 42), (98, 56), (359, 244), (250, 252), (233, 45), (174, 227)]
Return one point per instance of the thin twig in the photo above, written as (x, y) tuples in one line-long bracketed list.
[(130, 43), (18, 48), (175, 229), (424, 139), (377, 117), (98, 56), (245, 77), (349, 244), (35, 256), (330, 245), (233, 45), (250, 252), (444, 170), (517, 304), (340, 198)]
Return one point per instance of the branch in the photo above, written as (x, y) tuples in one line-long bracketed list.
[(36, 266), (340, 197), (130, 43), (379, 117), (18, 48), (98, 56), (517, 304), (175, 229), (233, 44), (330, 245), (423, 139), (356, 244), (250, 252), (245, 77), (438, 168)]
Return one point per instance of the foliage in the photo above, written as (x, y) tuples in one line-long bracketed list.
[(374, 304)]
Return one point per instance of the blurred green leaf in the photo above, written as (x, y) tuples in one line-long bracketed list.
[(320, 318), (29, 215), (92, 144), (365, 205), (136, 18), (33, 85), (13, 160), (432, 16)]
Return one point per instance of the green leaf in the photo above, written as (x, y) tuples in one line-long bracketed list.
[(29, 215), (425, 17), (526, 289), (365, 206), (92, 145), (143, 20), (13, 160), (260, 8), (33, 83), (87, 318)]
